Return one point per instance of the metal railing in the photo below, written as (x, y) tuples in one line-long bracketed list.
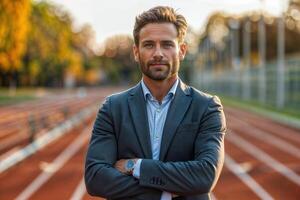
[(246, 84)]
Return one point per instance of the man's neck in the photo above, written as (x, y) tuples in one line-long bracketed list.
[(159, 89)]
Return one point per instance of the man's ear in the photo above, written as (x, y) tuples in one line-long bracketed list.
[(182, 50), (135, 53)]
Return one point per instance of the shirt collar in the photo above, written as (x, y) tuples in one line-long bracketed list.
[(147, 92)]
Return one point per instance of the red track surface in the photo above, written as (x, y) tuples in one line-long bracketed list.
[(262, 161)]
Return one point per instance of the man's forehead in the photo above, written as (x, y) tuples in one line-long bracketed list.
[(158, 31), (160, 28)]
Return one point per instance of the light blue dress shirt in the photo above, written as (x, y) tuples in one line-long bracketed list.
[(157, 114)]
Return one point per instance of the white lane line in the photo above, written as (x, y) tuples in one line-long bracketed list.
[(59, 161), (263, 157), (282, 131), (79, 191), (282, 119), (267, 137), (247, 179), (44, 140)]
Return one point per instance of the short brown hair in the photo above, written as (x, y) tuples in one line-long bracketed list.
[(160, 14)]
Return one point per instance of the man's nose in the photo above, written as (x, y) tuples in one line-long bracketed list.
[(158, 54)]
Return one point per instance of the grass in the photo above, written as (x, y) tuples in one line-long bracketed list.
[(20, 95), (257, 107)]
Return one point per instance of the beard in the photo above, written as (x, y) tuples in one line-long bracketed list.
[(159, 70)]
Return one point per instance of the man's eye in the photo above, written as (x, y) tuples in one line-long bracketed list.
[(148, 45), (168, 45)]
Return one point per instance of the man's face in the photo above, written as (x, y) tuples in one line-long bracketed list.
[(158, 51)]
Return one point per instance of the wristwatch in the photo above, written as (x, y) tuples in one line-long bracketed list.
[(129, 166)]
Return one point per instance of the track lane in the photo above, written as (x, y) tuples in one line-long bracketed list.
[(281, 130), (51, 179), (276, 178), (67, 182), (14, 180)]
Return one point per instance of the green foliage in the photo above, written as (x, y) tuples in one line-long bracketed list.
[(49, 46), (118, 60), (46, 51), (38, 45)]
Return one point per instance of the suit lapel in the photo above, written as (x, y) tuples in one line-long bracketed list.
[(177, 109), (138, 111)]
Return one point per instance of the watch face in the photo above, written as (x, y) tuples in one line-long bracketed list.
[(129, 165)]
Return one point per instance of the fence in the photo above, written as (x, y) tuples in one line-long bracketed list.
[(256, 85)]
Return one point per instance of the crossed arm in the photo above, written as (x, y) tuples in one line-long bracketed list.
[(104, 177)]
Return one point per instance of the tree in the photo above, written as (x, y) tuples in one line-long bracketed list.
[(118, 53), (14, 23), (49, 46)]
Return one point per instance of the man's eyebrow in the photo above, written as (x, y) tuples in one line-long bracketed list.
[(147, 41), (163, 41), (168, 41)]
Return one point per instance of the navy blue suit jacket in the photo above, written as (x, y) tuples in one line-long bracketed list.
[(192, 149)]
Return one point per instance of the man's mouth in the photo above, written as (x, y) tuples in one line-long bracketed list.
[(157, 64)]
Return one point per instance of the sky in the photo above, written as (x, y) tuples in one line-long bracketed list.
[(109, 17)]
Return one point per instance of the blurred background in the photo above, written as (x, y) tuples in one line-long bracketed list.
[(60, 58)]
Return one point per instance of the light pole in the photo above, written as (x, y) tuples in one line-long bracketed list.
[(280, 58), (235, 60), (247, 58), (262, 55)]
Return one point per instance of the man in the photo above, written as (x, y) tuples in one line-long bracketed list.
[(160, 139)]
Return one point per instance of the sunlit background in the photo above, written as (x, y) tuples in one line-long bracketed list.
[(60, 58)]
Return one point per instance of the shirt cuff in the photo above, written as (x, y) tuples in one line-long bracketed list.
[(166, 196), (137, 167)]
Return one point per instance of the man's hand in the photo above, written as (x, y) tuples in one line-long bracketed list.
[(120, 165)]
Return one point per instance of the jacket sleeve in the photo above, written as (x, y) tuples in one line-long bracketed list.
[(101, 178), (197, 176)]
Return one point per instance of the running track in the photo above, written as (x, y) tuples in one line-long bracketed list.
[(262, 162)]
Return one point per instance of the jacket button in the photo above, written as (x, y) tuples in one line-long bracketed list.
[(152, 180), (160, 182)]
